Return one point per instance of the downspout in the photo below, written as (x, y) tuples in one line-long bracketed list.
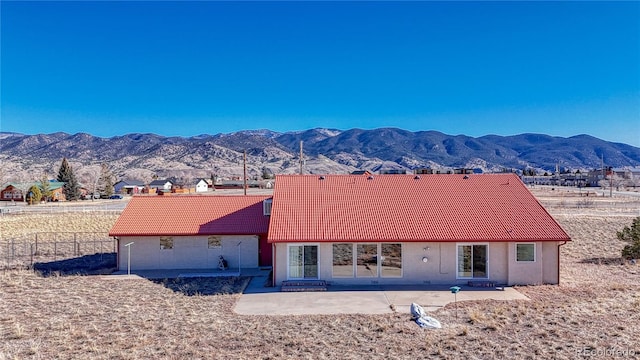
[(117, 239), (564, 243), (273, 264)]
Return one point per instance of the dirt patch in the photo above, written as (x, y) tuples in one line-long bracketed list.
[(97, 264), (206, 285)]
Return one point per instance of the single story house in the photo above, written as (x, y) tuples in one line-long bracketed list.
[(192, 231), (411, 229), (203, 185), (128, 186), (161, 185), (348, 229)]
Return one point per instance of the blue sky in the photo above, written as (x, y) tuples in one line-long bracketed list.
[(473, 68)]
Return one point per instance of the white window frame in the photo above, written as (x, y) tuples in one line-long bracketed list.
[(288, 260), (401, 261), (458, 257), (267, 204), (353, 259), (535, 257)]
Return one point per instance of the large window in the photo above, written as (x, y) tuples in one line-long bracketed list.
[(391, 264), (303, 261), (367, 260), (472, 261), (342, 260), (526, 252), (166, 242), (370, 260)]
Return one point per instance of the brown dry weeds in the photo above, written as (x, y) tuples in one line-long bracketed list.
[(593, 312)]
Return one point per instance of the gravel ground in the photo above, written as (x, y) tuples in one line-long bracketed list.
[(594, 313)]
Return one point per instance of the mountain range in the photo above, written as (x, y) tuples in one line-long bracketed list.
[(142, 156)]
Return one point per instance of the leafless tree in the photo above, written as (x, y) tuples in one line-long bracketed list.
[(611, 181), (89, 175), (633, 180)]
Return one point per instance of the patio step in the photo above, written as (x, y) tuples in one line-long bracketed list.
[(482, 283), (303, 285)]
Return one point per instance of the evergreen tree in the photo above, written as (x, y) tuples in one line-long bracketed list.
[(34, 195), (45, 187), (632, 236), (106, 181), (71, 188)]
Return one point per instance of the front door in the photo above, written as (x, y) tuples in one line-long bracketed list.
[(303, 262), (265, 252)]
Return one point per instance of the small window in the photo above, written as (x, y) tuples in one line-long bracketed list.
[(166, 242), (526, 252), (266, 207), (215, 242)]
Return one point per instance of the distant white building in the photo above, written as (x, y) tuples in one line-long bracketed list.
[(202, 185)]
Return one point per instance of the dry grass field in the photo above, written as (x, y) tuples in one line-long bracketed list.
[(594, 313)]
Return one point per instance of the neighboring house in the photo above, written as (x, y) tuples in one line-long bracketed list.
[(128, 186), (202, 185), (161, 185), (191, 232), (237, 184), (409, 229), (13, 191)]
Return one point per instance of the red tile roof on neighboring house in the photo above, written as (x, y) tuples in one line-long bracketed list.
[(192, 215), (315, 208)]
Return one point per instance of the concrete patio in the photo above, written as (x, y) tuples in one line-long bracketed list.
[(257, 299)]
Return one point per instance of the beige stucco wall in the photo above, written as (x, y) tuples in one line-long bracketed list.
[(544, 270), (189, 252), (440, 267), (550, 273)]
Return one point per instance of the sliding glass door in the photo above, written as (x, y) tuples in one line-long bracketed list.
[(472, 261), (303, 261)]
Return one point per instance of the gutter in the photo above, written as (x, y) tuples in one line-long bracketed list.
[(117, 239), (563, 243), (273, 264)]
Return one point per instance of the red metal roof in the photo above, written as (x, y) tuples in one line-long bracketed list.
[(329, 208), (192, 215)]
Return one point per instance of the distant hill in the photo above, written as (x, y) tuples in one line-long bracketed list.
[(141, 156)]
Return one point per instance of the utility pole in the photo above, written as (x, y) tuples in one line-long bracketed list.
[(301, 157), (245, 172), (611, 183)]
